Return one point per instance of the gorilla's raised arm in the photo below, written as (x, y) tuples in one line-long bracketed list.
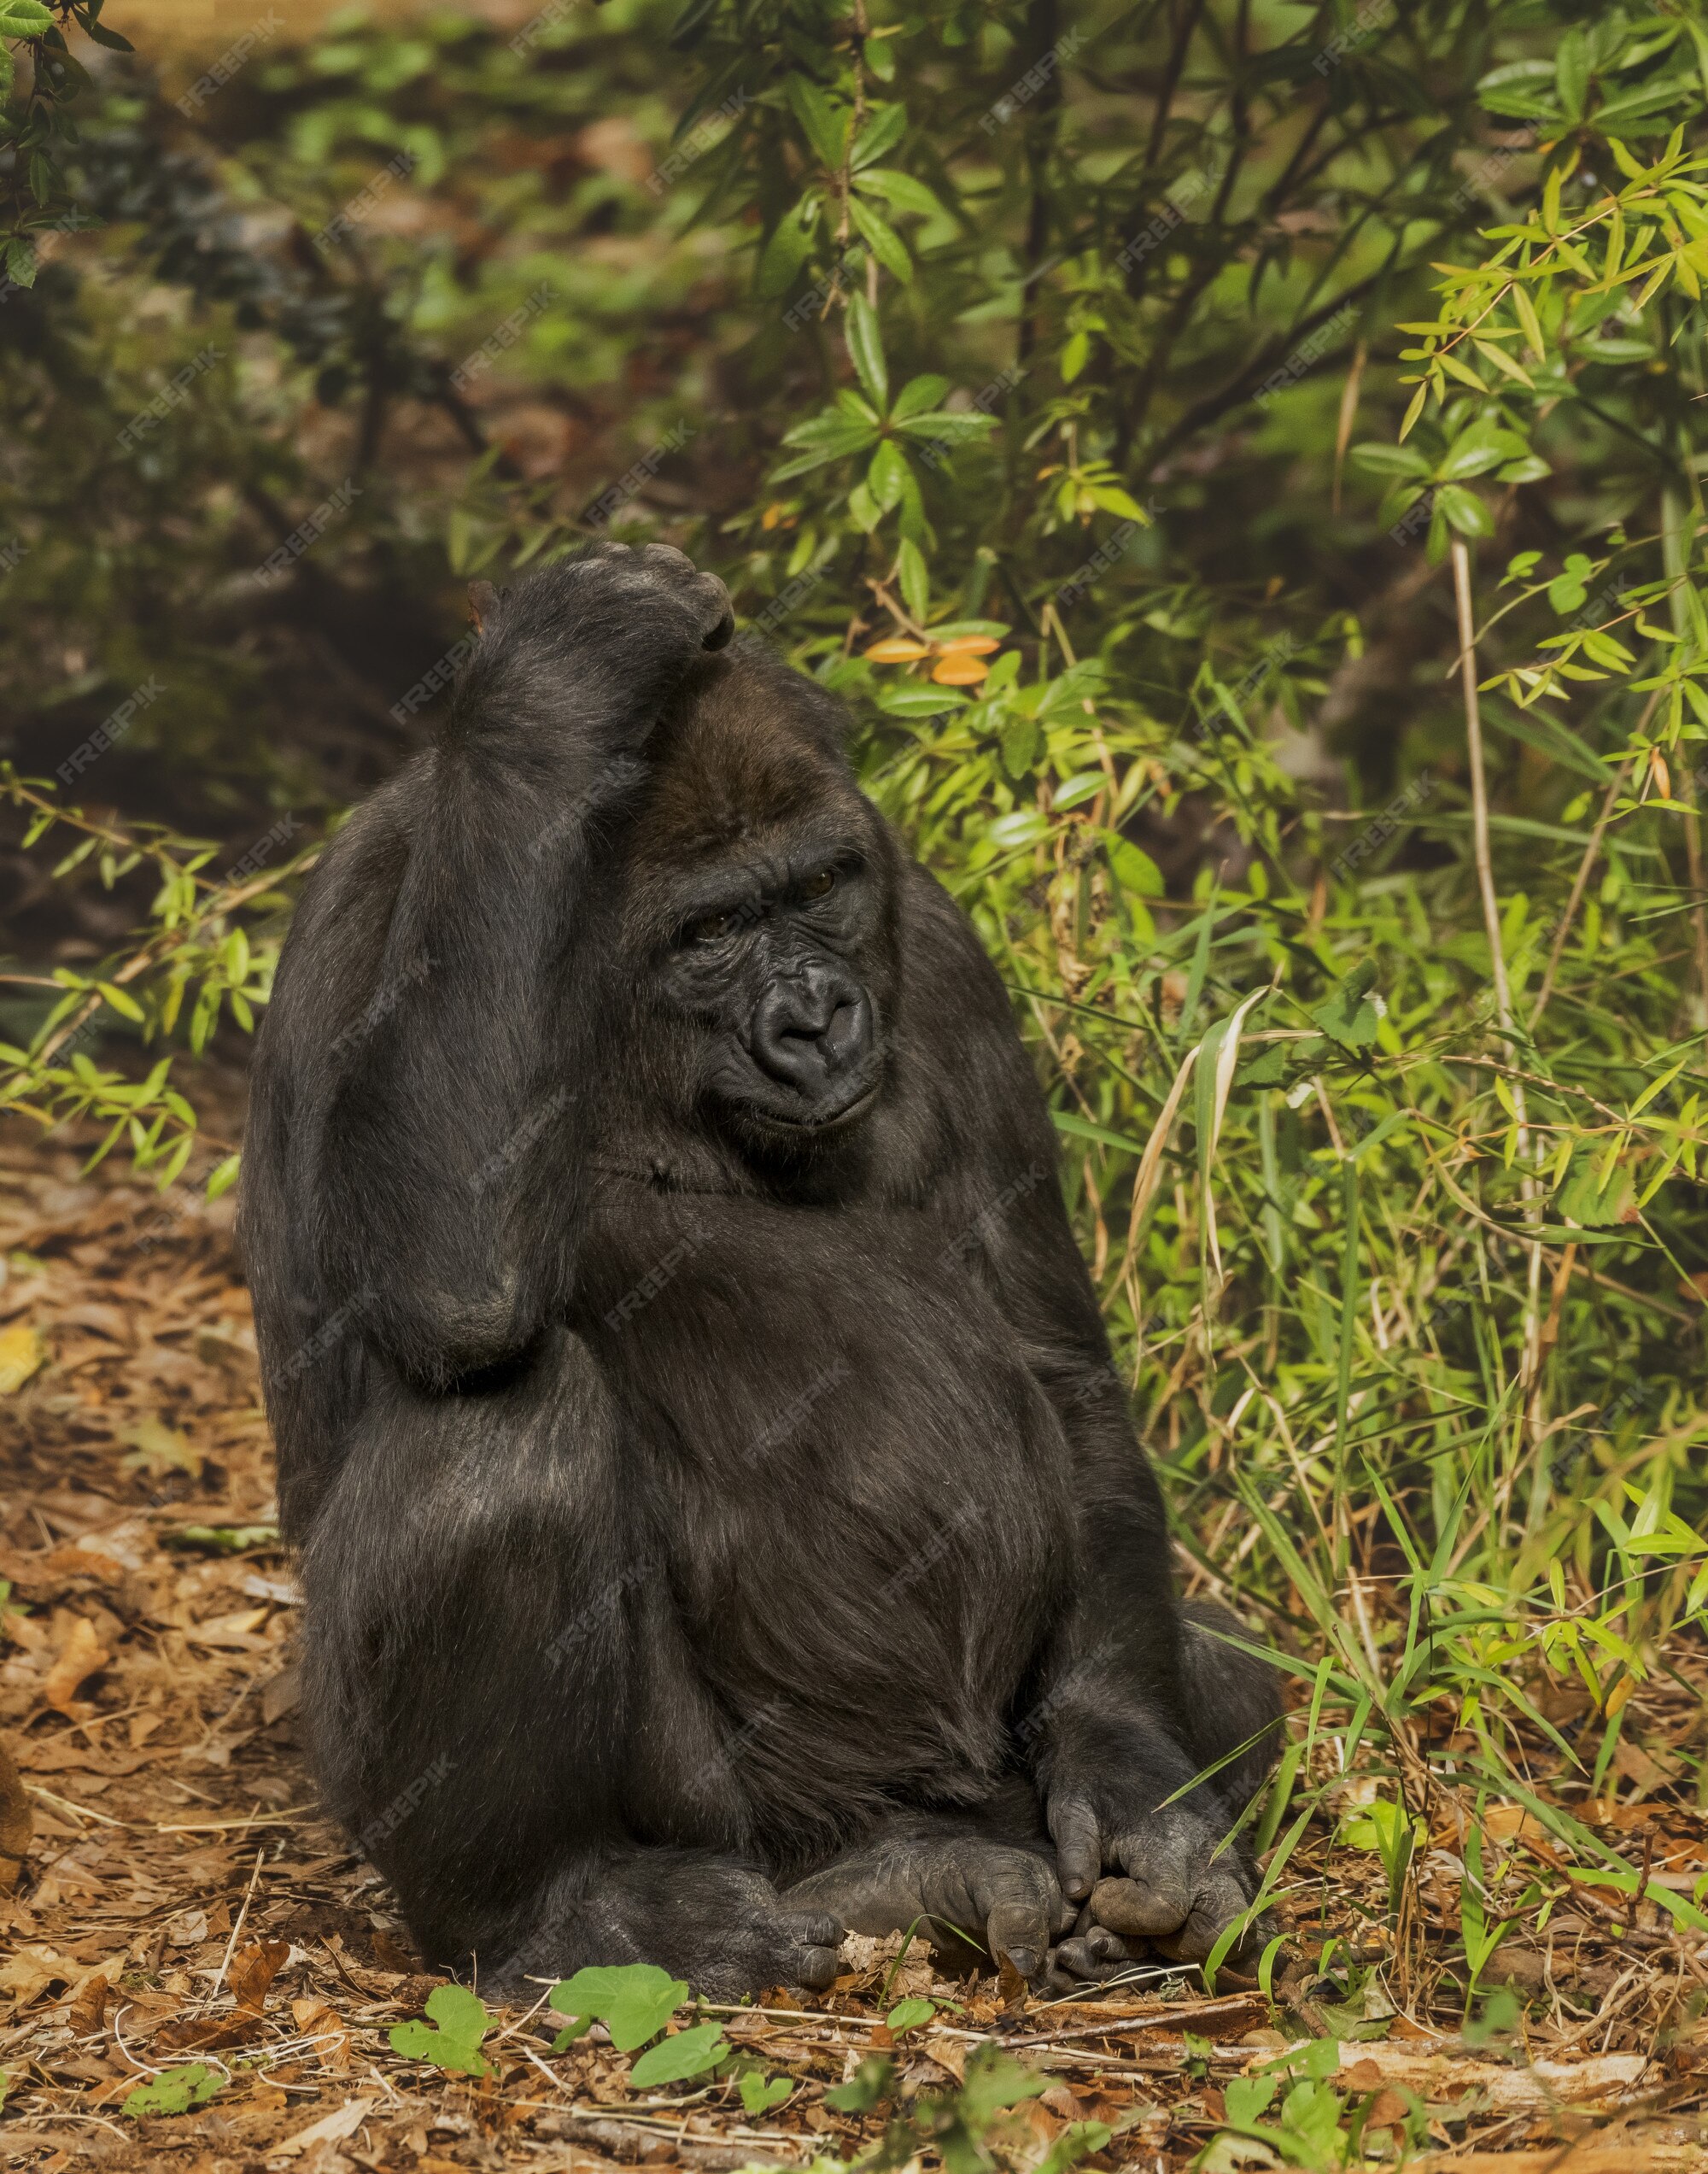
[(423, 1071)]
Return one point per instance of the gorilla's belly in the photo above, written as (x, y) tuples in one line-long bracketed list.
[(860, 1621)]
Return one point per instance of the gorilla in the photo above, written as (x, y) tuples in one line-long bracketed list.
[(719, 1519)]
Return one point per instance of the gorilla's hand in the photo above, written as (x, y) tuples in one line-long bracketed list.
[(662, 582), (976, 1896), (1181, 1888)]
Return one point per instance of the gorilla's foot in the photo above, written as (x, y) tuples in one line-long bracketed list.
[(971, 1897), (720, 1924)]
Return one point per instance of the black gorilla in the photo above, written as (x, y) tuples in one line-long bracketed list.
[(719, 1521)]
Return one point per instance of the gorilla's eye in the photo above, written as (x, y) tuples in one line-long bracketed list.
[(709, 928), (815, 887)]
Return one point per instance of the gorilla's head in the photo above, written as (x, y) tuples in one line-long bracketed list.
[(758, 916)]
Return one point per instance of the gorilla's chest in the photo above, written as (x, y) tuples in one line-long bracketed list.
[(859, 1492)]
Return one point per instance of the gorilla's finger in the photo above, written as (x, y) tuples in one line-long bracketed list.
[(1217, 1903), (1018, 1899), (816, 1968), (1143, 1907), (812, 1928), (1078, 1845), (1093, 1957)]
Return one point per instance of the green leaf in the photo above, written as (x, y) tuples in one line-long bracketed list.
[(917, 701), (783, 256), (901, 191), (917, 395), (24, 19), (826, 125), (869, 2082), (1484, 445), (886, 477), (1134, 869), (122, 1002), (882, 132), (760, 2093), (1348, 1017), (1464, 510), (908, 2015), (915, 580), (886, 244), (454, 2045), (225, 1540), (223, 1176), (996, 2080), (1571, 71), (1391, 459), (690, 2052), (1019, 744), (866, 349), (879, 57), (633, 2000), (174, 2090)]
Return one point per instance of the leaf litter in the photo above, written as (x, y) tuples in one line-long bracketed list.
[(199, 1974)]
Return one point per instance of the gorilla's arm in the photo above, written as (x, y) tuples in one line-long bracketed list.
[(1134, 1699), (424, 1062)]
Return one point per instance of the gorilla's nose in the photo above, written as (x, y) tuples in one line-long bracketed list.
[(813, 1030)]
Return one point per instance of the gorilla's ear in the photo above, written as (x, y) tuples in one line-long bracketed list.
[(483, 603)]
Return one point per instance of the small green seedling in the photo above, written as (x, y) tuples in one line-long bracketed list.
[(455, 2045), (908, 2015), (869, 2083), (633, 2000), (176, 2090), (760, 2092)]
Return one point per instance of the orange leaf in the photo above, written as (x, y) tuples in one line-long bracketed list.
[(81, 1655), (895, 649), (961, 671), (969, 645)]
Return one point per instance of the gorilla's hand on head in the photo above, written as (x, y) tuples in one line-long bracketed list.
[(659, 575), (1182, 1887), (583, 654)]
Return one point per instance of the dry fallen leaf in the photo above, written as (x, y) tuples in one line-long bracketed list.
[(236, 1630), (28, 1972), (331, 2129), (88, 2011), (80, 1657), (253, 1968), (23, 1349), (320, 2021)]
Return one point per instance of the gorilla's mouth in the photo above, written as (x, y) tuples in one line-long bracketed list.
[(761, 1107)]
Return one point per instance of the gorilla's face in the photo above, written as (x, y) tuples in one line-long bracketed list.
[(761, 899), (771, 957)]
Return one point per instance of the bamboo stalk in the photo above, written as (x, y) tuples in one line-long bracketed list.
[(1530, 1364)]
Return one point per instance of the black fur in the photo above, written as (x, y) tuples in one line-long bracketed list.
[(693, 1411)]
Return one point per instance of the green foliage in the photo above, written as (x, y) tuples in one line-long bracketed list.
[(176, 2090), (965, 2127), (451, 2037), (634, 2002)]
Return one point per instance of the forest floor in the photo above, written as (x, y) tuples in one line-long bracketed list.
[(172, 1906)]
